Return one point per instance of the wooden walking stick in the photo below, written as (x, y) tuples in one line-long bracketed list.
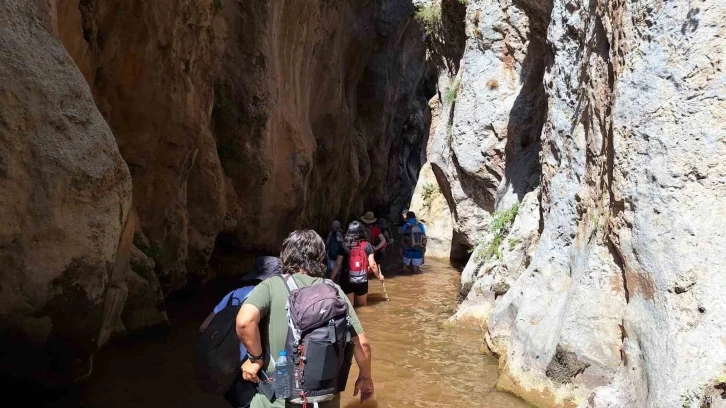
[(385, 292)]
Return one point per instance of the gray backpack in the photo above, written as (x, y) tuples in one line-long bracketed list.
[(319, 341)]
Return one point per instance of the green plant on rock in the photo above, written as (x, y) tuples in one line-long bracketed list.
[(452, 91), (501, 222), (151, 251), (512, 243), (429, 16), (429, 191), (218, 4)]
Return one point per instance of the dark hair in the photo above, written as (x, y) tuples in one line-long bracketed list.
[(410, 215), (303, 251), (356, 233)]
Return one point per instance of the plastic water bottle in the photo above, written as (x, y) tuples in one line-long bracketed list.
[(282, 376)]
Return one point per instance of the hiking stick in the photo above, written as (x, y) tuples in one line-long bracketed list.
[(385, 292)]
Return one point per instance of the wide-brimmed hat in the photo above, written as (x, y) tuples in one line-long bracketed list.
[(265, 267), (369, 218)]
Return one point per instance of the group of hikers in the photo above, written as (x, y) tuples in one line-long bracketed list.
[(299, 308)]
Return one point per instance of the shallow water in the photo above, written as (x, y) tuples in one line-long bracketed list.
[(418, 360)]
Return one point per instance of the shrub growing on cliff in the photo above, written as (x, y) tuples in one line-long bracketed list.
[(428, 193), (501, 222), (452, 91), (218, 4), (429, 16)]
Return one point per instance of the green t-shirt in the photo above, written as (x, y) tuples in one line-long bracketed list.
[(270, 297)]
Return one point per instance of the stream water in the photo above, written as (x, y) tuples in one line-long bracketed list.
[(418, 360)]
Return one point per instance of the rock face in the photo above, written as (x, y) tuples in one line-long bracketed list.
[(65, 196), (430, 206), (238, 122), (615, 109)]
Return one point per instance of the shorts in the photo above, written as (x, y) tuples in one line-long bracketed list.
[(358, 289), (331, 264), (380, 255), (412, 261)]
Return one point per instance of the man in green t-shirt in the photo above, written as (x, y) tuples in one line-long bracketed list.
[(262, 320)]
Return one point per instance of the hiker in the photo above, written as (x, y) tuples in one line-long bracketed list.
[(375, 235), (262, 323), (332, 244), (241, 392), (414, 242), (355, 259), (402, 220), (385, 228)]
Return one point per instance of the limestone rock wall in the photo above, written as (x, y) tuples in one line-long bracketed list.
[(65, 197), (590, 135)]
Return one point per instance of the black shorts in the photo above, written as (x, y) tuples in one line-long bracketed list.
[(380, 255), (358, 289)]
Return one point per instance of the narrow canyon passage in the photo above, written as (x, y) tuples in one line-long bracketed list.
[(419, 359), (571, 152)]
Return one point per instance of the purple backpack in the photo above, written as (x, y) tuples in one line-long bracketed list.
[(319, 341)]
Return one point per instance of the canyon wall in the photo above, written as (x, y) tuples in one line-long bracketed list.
[(582, 164), (65, 198), (238, 122)]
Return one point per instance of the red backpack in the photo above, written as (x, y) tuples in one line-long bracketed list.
[(358, 263)]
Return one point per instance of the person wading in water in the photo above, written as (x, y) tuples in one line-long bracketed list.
[(414, 242), (332, 244), (355, 259), (262, 323), (375, 237)]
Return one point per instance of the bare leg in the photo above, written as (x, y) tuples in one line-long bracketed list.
[(351, 297), (362, 300)]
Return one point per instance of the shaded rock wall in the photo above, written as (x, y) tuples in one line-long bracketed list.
[(65, 196), (238, 123), (317, 120), (606, 287)]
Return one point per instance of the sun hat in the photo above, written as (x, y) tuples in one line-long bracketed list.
[(369, 218)]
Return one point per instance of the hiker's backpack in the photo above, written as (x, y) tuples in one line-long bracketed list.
[(358, 263), (217, 359), (319, 341), (333, 245), (414, 237)]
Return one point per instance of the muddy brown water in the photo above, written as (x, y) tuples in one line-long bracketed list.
[(418, 359)]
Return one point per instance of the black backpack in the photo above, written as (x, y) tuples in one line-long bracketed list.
[(217, 359), (319, 341)]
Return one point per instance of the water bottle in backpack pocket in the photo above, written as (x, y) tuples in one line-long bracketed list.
[(318, 341), (358, 263)]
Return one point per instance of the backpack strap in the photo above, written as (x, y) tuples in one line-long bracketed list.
[(291, 285)]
